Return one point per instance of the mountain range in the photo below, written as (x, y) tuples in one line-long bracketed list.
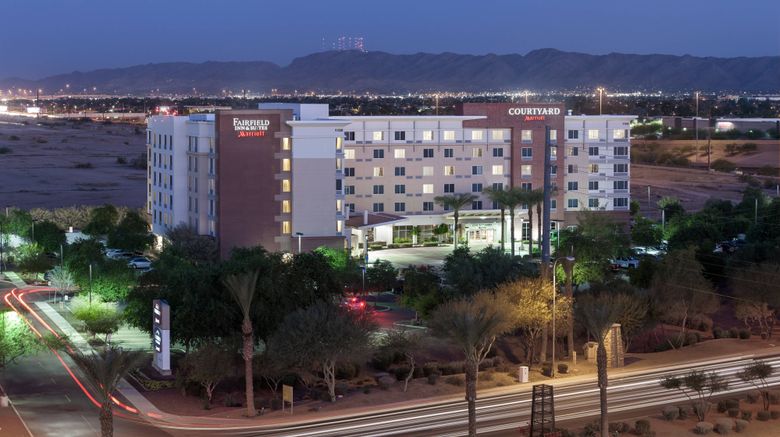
[(380, 72)]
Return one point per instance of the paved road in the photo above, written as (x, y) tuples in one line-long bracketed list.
[(433, 256)]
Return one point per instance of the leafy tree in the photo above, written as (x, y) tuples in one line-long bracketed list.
[(16, 339), (243, 289), (421, 290), (455, 202), (19, 223), (467, 273), (112, 280), (646, 233), (131, 233), (757, 373), (49, 236), (682, 292), (271, 368), (321, 336), (207, 367), (405, 343), (758, 291), (102, 220), (473, 324), (104, 370), (636, 307), (671, 207), (381, 276), (188, 244), (593, 242), (642, 276), (98, 319), (79, 255), (698, 387), (597, 313), (32, 259)]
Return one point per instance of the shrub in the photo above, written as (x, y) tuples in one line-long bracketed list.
[(718, 332), (457, 380), (753, 396), (367, 390), (487, 363), (5, 150), (670, 413), (401, 372), (385, 382), (733, 333), (774, 414), (763, 415), (740, 425), (452, 368), (547, 370), (342, 388), (747, 415), (487, 376), (703, 428), (723, 165), (83, 165), (347, 370), (276, 404), (433, 378), (430, 368), (727, 404), (683, 411), (744, 334), (618, 427), (702, 408), (563, 368), (13, 138), (724, 426), (733, 412), (121, 160), (642, 426), (231, 401)]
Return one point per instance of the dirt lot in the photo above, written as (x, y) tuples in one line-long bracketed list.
[(767, 152), (40, 160)]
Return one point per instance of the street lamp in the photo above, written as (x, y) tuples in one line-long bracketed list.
[(299, 235), (601, 92), (696, 123), (568, 262)]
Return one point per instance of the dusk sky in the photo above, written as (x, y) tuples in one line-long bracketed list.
[(44, 37)]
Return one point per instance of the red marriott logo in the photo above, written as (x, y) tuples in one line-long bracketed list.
[(246, 128), (245, 134)]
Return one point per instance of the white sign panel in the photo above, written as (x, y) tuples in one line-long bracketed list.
[(161, 336)]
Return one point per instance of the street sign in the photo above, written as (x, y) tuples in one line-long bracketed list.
[(287, 396), (161, 336)]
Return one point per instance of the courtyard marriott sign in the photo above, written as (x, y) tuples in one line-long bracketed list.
[(534, 114), (245, 128)]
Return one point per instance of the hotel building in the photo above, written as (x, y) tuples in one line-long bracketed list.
[(290, 172)]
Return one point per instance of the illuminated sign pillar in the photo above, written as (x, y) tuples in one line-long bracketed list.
[(161, 336)]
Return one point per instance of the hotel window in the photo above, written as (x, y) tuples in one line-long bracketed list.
[(427, 206), (496, 134), (379, 189), (593, 134), (574, 151), (349, 189), (286, 228), (553, 204), (349, 171), (572, 186), (350, 207), (553, 136), (476, 152), (526, 186), (593, 151), (593, 203), (285, 206), (593, 168), (349, 135), (621, 202), (379, 172), (476, 169), (621, 151), (400, 207), (400, 171), (339, 184), (593, 185), (285, 144), (349, 153), (339, 226), (498, 152), (400, 189), (574, 134), (526, 136), (477, 204), (339, 143), (285, 164), (621, 168), (553, 170), (285, 185), (427, 188), (399, 135), (572, 203), (339, 206), (620, 185), (525, 171), (619, 134), (379, 207), (449, 170), (448, 135), (476, 135), (572, 168), (526, 153), (498, 186), (399, 153), (427, 153), (448, 153), (427, 171), (553, 152), (449, 188), (498, 170), (377, 135), (427, 135), (379, 153), (476, 188)]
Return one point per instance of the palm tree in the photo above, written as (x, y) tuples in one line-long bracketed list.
[(513, 198), (473, 324), (242, 287), (499, 197), (597, 314), (536, 198), (104, 370), (455, 202)]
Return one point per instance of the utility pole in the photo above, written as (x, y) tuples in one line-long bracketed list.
[(696, 126), (755, 212), (90, 284), (546, 204), (601, 92)]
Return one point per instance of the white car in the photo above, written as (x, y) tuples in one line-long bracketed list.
[(625, 263), (118, 254), (140, 262)]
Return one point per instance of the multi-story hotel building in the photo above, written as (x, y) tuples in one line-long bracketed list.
[(291, 171)]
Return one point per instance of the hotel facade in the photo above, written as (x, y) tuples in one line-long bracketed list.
[(290, 174)]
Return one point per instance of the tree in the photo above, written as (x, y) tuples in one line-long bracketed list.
[(207, 367), (104, 370), (682, 291), (243, 288), (758, 291), (757, 373), (112, 280), (646, 233), (381, 276), (593, 242), (636, 307), (49, 236), (421, 290), (62, 280), (102, 220), (319, 337), (98, 319), (455, 202), (32, 259), (131, 233), (473, 324), (19, 223), (188, 244), (698, 387), (467, 273), (536, 199), (597, 313), (16, 339), (499, 197), (405, 343), (271, 368), (671, 207)]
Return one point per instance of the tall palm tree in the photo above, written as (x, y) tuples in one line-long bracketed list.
[(104, 370), (243, 287), (597, 314), (499, 197), (513, 198), (455, 202), (536, 198)]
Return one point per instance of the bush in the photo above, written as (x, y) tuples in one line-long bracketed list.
[(430, 368), (457, 380), (724, 426), (547, 370), (718, 332), (5, 150), (367, 390), (701, 409), (747, 415), (452, 368), (619, 427), (723, 165), (487, 376), (744, 334), (401, 372), (670, 413), (231, 401), (727, 404), (121, 160), (733, 412), (433, 378), (704, 428), (563, 368), (733, 333), (276, 404), (642, 426), (13, 138), (83, 165), (384, 382), (753, 396), (740, 425), (763, 415), (347, 370), (774, 414), (683, 411)]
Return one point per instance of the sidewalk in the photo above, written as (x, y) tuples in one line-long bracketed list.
[(15, 279), (11, 423)]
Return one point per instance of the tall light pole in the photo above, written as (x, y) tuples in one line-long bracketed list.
[(696, 124), (90, 284), (570, 260), (299, 235), (601, 93)]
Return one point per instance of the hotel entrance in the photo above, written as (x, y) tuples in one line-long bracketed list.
[(481, 235)]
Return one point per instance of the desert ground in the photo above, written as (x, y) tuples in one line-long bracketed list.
[(47, 163)]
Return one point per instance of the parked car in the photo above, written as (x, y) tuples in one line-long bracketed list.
[(140, 262), (625, 263), (354, 303), (119, 254)]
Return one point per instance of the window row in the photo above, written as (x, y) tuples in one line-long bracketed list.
[(595, 134), (400, 153), (447, 170), (595, 185), (426, 135)]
